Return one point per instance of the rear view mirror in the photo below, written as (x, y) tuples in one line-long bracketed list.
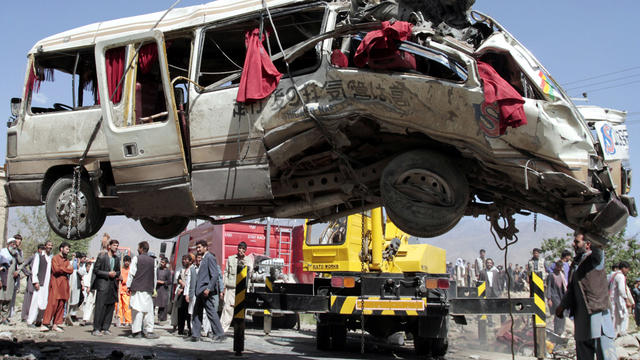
[(15, 106)]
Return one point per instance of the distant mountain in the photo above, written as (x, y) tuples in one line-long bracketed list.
[(472, 234)]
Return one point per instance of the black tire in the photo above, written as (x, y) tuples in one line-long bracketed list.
[(439, 347), (424, 193), (338, 336), (323, 336), (57, 207), (430, 347), (164, 228)]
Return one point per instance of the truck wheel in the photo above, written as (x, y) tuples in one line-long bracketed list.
[(439, 346), (59, 206), (323, 336), (424, 193), (338, 336), (164, 228), (436, 347)]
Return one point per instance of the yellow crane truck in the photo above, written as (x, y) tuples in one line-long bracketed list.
[(368, 277)]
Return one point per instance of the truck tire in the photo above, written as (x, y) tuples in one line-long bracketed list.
[(338, 337), (164, 228), (323, 336), (434, 347), (58, 205), (424, 193), (439, 346)]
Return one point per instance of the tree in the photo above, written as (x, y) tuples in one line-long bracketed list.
[(553, 247), (31, 223), (619, 248)]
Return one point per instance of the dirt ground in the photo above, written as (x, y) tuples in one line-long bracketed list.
[(76, 342)]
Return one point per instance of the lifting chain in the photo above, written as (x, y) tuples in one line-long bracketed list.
[(363, 256), (73, 206)]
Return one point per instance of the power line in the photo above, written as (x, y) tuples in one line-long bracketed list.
[(614, 86), (602, 75), (585, 87)]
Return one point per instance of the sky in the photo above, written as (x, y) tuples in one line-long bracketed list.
[(587, 46)]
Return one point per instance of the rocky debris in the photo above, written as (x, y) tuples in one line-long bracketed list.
[(628, 347)]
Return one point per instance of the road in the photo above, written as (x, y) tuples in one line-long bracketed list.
[(77, 343)]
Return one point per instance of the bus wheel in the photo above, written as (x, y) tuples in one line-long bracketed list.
[(424, 193), (164, 228), (84, 214)]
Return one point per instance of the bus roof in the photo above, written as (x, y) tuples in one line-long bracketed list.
[(178, 18)]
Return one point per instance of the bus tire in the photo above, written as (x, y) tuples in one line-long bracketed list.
[(59, 205)]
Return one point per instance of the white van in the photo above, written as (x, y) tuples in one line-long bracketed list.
[(155, 108)]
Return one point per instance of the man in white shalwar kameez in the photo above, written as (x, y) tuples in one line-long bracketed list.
[(86, 271), (141, 283), (41, 264), (619, 300)]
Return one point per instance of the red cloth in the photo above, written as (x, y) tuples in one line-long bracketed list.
[(339, 59), (259, 76), (115, 69), (148, 54), (379, 48), (498, 90)]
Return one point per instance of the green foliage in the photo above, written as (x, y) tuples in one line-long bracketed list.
[(31, 223), (619, 248), (553, 247), (622, 248)]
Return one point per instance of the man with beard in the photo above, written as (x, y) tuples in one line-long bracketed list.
[(61, 268), (162, 290), (141, 282), (587, 299), (106, 272)]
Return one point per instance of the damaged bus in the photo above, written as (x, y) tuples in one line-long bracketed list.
[(308, 109)]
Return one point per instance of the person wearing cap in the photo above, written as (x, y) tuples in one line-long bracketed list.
[(10, 258), (16, 274)]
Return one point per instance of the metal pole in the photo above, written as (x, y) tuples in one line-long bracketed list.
[(268, 282), (239, 310), (267, 238), (536, 286), (482, 321)]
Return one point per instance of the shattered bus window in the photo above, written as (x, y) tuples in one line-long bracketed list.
[(63, 81), (223, 50)]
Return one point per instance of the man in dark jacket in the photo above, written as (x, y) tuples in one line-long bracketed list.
[(106, 272), (207, 289), (587, 299)]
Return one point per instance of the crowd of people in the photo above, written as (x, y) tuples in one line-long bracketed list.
[(116, 288), (576, 285)]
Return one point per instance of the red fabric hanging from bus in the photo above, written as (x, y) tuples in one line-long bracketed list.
[(259, 76)]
